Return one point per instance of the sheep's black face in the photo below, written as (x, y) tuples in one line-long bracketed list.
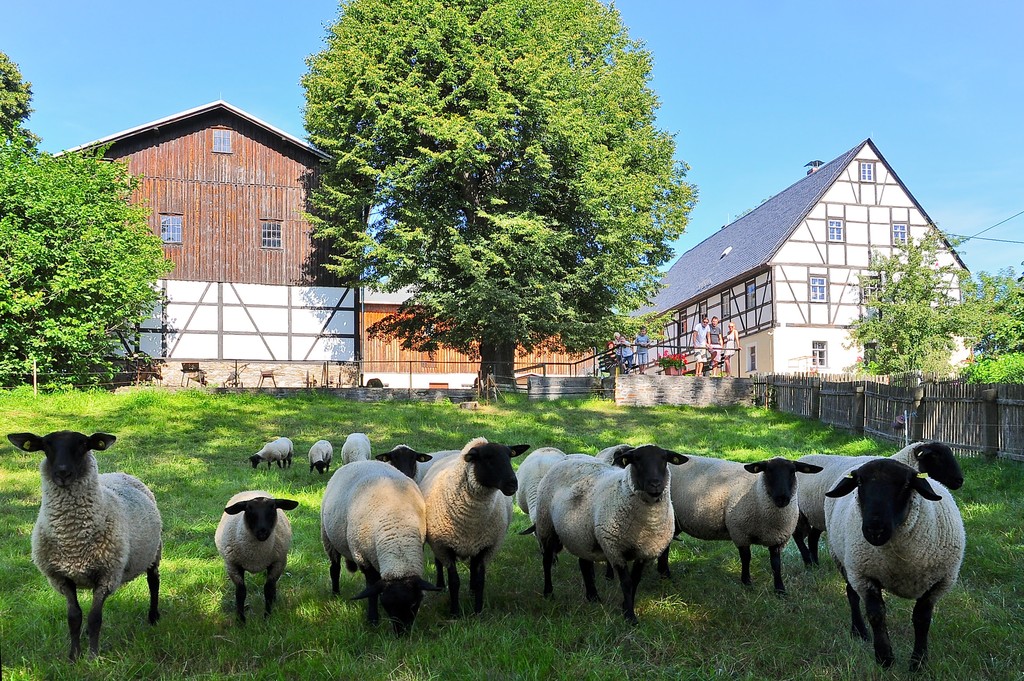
[(779, 477), (67, 452), (261, 517), (255, 460), (938, 461), (320, 467), (492, 466), (404, 459), (401, 601), (648, 469)]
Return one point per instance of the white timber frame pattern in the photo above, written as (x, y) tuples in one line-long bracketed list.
[(229, 321)]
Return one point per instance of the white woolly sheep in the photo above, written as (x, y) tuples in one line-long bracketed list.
[(254, 535), (320, 455), (934, 458), (469, 509), (888, 528), (374, 517), (356, 448), (423, 468), (93, 531), (717, 499), (529, 474), (279, 450), (599, 512)]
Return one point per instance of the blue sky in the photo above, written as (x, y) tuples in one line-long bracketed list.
[(752, 90)]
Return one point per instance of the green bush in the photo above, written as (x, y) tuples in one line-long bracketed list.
[(1003, 369)]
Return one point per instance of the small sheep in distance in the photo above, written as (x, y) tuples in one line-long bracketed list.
[(888, 528), (320, 455), (279, 450), (355, 448), (254, 535), (93, 531)]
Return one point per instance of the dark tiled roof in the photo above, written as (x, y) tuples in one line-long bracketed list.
[(753, 238)]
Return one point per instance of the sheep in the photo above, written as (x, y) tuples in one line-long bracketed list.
[(469, 509), (888, 528), (356, 448), (529, 474), (279, 450), (254, 535), (423, 468), (320, 455), (747, 503), (601, 512), (93, 531), (404, 459), (374, 517), (934, 458), (607, 455)]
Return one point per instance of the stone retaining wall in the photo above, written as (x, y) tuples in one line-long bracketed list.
[(647, 390)]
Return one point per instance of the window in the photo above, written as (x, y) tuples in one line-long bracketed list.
[(819, 290), (751, 358), (222, 141), (899, 233), (867, 172), (170, 229), (751, 295), (271, 234), (819, 353), (835, 230)]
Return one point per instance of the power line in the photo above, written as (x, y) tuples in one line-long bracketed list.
[(1002, 241), (968, 238)]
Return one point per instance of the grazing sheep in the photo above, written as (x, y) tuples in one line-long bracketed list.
[(529, 474), (600, 512), (320, 455), (279, 450), (888, 528), (746, 503), (254, 535), (93, 531), (356, 448), (405, 459), (374, 517), (469, 508), (934, 458)]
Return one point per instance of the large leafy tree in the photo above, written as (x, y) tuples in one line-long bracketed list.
[(915, 318), (15, 96), (77, 263), (501, 158)]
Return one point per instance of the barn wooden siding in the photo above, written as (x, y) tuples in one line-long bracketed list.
[(223, 198)]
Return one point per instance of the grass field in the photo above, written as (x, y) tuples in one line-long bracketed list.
[(191, 448)]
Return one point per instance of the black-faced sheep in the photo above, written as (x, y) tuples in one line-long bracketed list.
[(404, 459), (374, 517), (469, 509), (529, 474), (934, 458), (888, 528), (320, 456), (254, 535), (598, 512), (279, 450), (93, 531)]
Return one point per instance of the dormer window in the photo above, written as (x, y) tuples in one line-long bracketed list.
[(222, 141), (867, 172)]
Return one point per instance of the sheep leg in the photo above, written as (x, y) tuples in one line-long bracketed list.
[(626, 583), (453, 589), (857, 627), (372, 577), (153, 581), (439, 570), (922, 619), (813, 538), (609, 571), (74, 618), (477, 578), (800, 537), (274, 573), (551, 549), (335, 573), (638, 570), (239, 581), (775, 558), (95, 621), (745, 565), (663, 569), (589, 588), (875, 607)]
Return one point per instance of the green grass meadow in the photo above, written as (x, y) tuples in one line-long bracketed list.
[(191, 448)]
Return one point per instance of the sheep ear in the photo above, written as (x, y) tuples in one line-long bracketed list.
[(101, 441), (427, 586), (845, 485), (26, 441), (921, 486), (519, 449), (423, 458), (236, 508), (385, 457), (285, 504), (756, 467), (472, 455), (675, 457), (374, 589), (623, 457), (802, 467)]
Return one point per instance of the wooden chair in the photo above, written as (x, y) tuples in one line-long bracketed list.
[(264, 375), (190, 371)]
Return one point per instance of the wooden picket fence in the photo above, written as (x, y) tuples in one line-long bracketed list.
[(978, 419)]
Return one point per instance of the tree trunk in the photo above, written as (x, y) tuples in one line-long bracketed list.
[(497, 360)]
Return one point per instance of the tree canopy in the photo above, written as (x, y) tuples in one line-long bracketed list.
[(501, 158), (77, 263), (15, 96), (915, 316)]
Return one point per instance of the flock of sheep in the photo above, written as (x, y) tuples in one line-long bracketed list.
[(892, 522)]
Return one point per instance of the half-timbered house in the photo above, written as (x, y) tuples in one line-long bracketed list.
[(789, 272)]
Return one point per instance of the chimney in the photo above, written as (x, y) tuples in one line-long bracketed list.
[(813, 166)]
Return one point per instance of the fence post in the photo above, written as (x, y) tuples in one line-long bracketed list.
[(991, 429), (859, 411), (815, 398), (917, 413)]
